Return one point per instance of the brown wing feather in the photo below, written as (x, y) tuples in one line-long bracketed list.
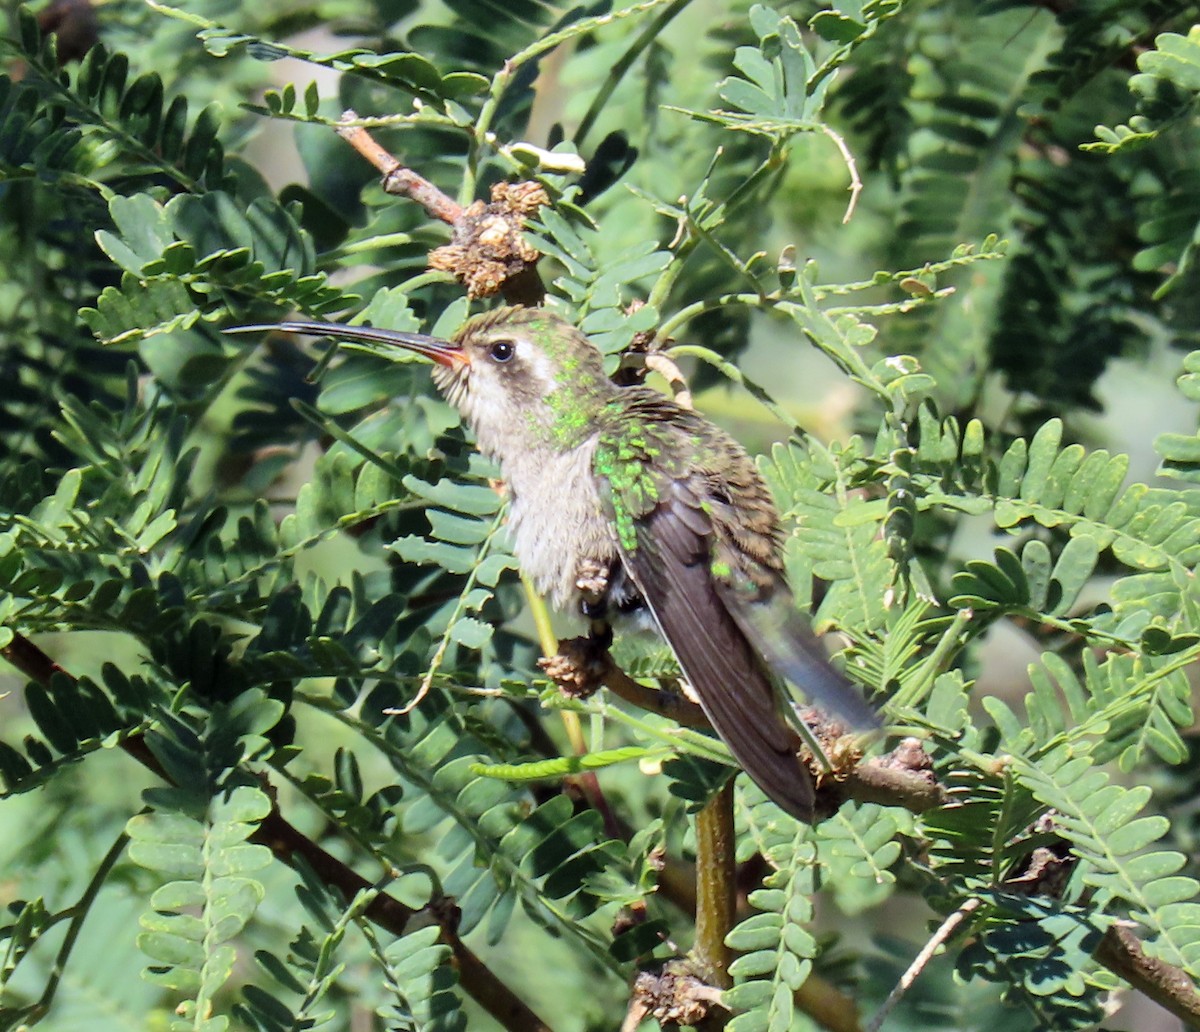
[(670, 567)]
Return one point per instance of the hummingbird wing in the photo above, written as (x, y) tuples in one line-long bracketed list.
[(667, 538), (670, 567)]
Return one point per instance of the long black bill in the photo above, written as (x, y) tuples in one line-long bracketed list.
[(371, 340)]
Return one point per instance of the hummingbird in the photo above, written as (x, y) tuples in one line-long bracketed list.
[(621, 500)]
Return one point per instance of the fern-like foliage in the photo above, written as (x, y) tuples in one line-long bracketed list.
[(208, 901), (106, 108), (194, 247), (1036, 951), (419, 978), (495, 849), (422, 983), (283, 566), (1168, 76), (1179, 451), (1099, 820), (776, 948), (73, 718), (194, 838)]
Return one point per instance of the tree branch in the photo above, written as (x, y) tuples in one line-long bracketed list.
[(397, 179), (488, 253), (1121, 952), (898, 779)]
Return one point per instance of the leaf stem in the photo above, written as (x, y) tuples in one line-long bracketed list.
[(647, 36), (733, 373), (79, 913), (443, 645), (586, 780), (948, 643), (290, 846), (548, 643), (481, 131)]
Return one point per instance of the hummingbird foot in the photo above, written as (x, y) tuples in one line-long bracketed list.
[(580, 665), (592, 580)]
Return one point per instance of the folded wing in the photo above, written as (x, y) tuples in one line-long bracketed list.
[(670, 566)]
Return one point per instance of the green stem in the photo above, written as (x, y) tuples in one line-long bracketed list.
[(368, 244), (666, 280), (482, 129), (679, 739), (586, 780), (424, 278), (774, 162), (938, 660), (79, 913), (698, 308), (503, 79), (443, 645), (716, 887), (507, 870), (732, 372), (644, 39), (541, 618), (548, 643)]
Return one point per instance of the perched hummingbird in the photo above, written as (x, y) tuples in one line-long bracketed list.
[(620, 498)]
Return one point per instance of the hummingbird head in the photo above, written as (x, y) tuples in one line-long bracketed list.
[(523, 378), (528, 379)]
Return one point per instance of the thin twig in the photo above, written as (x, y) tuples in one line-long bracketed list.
[(79, 913), (851, 166), (945, 930), (648, 35), (638, 1011), (397, 179)]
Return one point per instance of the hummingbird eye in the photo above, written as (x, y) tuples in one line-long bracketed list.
[(502, 350)]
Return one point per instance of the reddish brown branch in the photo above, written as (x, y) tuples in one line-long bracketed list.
[(288, 844), (488, 253), (30, 660), (1121, 952), (397, 179)]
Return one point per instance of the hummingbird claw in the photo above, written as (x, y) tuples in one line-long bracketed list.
[(592, 580)]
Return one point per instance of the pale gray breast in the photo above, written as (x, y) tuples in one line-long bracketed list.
[(557, 518)]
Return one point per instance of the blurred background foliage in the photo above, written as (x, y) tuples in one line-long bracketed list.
[(250, 562)]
